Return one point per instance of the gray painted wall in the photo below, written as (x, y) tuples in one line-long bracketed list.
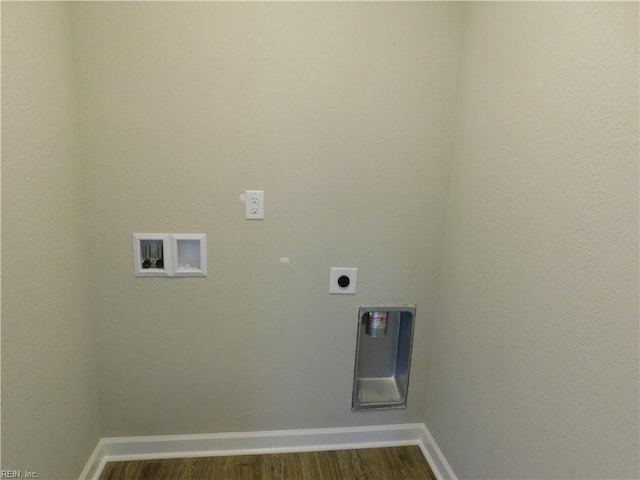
[(50, 420), (342, 113), (535, 365)]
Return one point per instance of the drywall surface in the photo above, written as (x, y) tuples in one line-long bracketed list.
[(535, 365), (342, 114), (49, 393)]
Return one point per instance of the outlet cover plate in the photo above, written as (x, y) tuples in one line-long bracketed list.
[(336, 272), (254, 208)]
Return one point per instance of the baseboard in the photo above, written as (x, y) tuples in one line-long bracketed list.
[(436, 459), (278, 441)]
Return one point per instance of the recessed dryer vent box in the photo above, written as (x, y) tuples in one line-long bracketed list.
[(189, 254), (383, 357), (151, 252)]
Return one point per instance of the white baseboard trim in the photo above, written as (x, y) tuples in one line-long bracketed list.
[(278, 441), (436, 459)]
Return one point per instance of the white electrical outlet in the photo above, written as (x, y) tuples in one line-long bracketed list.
[(254, 204)]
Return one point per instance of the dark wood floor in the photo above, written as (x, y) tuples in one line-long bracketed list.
[(394, 463)]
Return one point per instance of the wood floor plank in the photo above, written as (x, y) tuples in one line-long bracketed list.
[(165, 469), (392, 463)]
